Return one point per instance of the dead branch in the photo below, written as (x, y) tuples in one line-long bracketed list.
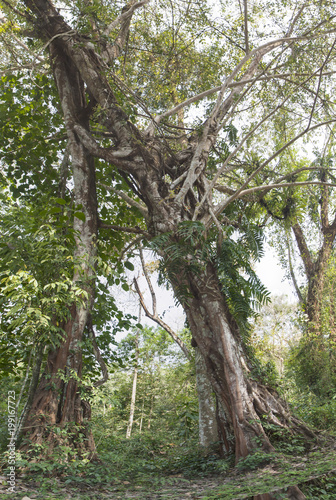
[(160, 322)]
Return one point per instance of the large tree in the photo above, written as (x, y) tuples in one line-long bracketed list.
[(112, 81)]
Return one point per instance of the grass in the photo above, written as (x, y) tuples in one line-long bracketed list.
[(154, 466)]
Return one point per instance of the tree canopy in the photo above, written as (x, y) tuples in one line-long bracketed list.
[(171, 123)]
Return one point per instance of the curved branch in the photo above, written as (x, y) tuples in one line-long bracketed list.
[(124, 17), (160, 322), (226, 202), (232, 85), (303, 248), (129, 246), (237, 149), (229, 81), (268, 187)]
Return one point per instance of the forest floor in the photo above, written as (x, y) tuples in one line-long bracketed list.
[(315, 472)]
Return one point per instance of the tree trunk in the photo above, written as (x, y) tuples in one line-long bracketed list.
[(208, 431), (132, 409), (315, 269), (32, 389), (134, 388), (248, 405), (142, 415), (57, 400), (316, 354), (150, 412), (244, 400)]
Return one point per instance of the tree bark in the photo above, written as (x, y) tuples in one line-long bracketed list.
[(244, 400), (134, 388), (31, 391), (208, 431), (57, 400), (248, 405)]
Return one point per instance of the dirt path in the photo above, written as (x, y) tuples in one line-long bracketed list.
[(236, 485)]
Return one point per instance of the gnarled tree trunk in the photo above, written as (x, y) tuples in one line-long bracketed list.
[(248, 404), (244, 400), (57, 400)]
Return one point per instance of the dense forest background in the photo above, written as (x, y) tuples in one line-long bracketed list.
[(160, 145)]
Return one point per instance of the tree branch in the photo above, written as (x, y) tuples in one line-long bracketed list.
[(225, 203), (292, 25), (229, 81), (129, 246), (125, 16), (212, 126), (232, 85), (303, 248), (22, 44), (149, 283), (133, 230), (291, 270), (159, 321), (246, 34), (268, 187), (239, 146), (126, 198)]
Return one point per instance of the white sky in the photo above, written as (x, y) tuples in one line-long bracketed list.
[(273, 276), (268, 269)]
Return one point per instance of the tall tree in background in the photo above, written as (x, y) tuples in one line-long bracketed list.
[(308, 231), (172, 183)]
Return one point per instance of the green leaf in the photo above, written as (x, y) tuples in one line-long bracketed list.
[(129, 265), (55, 210), (60, 201), (80, 216)]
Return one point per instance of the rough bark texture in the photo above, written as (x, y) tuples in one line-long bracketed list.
[(57, 399), (244, 400), (208, 431)]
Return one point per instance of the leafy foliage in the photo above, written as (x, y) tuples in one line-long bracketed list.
[(232, 258), (30, 122), (36, 287)]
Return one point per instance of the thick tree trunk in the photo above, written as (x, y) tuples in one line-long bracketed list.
[(57, 400), (208, 431), (244, 400), (248, 405)]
